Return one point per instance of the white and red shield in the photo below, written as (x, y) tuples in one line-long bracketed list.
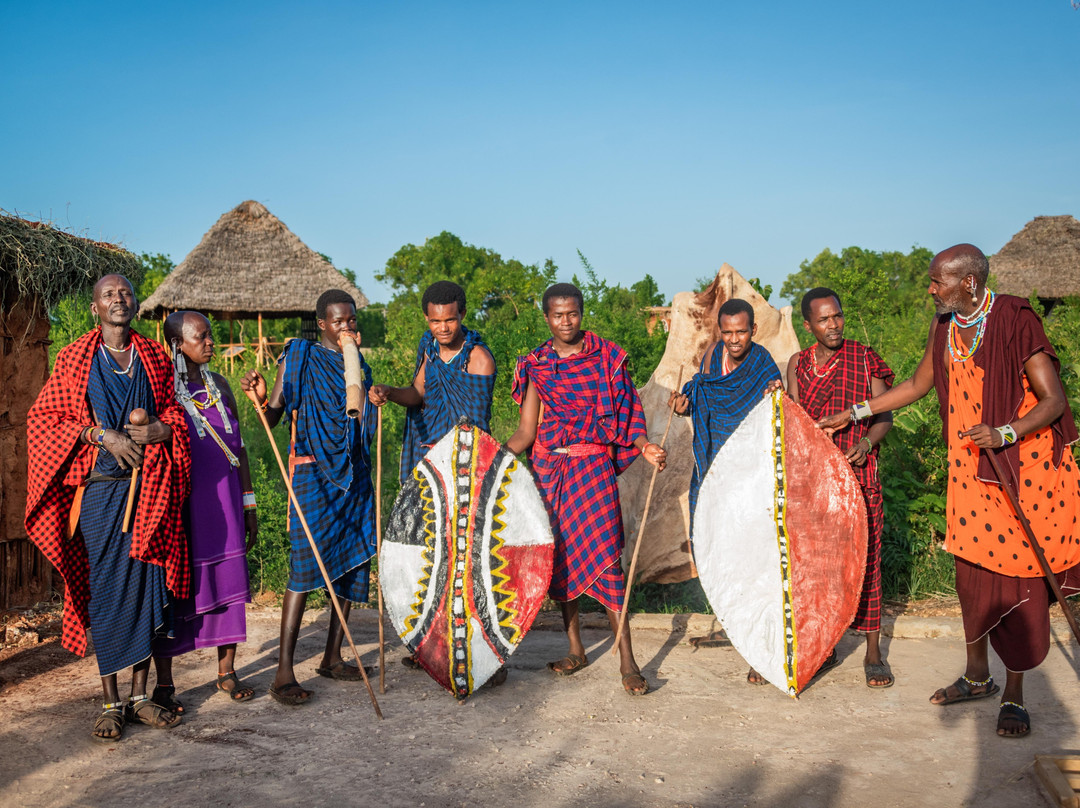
[(780, 542), (466, 559)]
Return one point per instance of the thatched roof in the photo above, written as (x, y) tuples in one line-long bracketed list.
[(37, 260), (249, 263), (1044, 257)]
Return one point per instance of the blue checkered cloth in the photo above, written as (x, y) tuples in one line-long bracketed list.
[(719, 403), (335, 491), (128, 598), (450, 393)]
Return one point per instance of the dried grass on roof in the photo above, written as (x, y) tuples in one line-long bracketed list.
[(37, 260), (249, 263), (1044, 257)]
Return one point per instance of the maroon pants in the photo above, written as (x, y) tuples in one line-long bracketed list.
[(1013, 611)]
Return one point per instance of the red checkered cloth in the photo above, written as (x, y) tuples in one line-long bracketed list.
[(591, 405), (842, 382), (58, 464)]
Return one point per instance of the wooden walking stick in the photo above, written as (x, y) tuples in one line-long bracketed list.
[(641, 527), (138, 417), (378, 547), (314, 549), (1035, 546)]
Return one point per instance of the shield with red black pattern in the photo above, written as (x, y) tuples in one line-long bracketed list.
[(466, 559)]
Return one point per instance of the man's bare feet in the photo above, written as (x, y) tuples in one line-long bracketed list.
[(635, 684)]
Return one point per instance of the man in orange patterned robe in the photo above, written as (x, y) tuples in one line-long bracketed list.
[(999, 389)]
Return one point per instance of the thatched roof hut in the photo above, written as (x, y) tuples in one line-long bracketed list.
[(249, 264), (1043, 258), (38, 266), (42, 264)]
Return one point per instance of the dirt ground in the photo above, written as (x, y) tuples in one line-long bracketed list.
[(703, 737)]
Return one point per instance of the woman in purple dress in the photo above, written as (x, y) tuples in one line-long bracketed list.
[(219, 516)]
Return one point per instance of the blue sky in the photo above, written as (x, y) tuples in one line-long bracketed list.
[(662, 138)]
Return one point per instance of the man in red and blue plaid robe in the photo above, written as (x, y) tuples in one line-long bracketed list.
[(591, 428), (833, 374)]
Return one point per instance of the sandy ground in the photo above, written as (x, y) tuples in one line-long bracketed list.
[(703, 737)]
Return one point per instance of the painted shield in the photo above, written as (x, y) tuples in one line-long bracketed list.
[(780, 542), (466, 559)]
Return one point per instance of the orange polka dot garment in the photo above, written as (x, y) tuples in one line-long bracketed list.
[(982, 526)]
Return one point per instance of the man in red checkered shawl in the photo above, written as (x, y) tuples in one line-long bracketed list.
[(583, 420), (82, 447), (833, 374)]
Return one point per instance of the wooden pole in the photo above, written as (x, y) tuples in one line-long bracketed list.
[(259, 353), (641, 527), (1035, 546), (378, 547), (314, 550), (138, 417)]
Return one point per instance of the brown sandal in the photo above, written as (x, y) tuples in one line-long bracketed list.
[(142, 710), (632, 690), (576, 664), (238, 692)]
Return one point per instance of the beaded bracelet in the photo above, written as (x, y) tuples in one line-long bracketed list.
[(869, 445), (861, 411), (1008, 434), (249, 500)]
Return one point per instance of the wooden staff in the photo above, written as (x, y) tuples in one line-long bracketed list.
[(641, 527), (314, 550), (1035, 546), (138, 417), (378, 547)]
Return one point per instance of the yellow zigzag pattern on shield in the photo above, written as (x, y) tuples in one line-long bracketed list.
[(504, 598), (427, 513)]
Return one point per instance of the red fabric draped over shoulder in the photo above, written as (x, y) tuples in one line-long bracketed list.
[(58, 464)]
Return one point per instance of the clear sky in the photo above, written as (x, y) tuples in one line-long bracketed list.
[(662, 138)]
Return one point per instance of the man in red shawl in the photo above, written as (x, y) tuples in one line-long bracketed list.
[(592, 428), (999, 389), (82, 450), (833, 374)]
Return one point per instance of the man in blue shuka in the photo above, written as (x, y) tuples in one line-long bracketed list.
[(454, 378)]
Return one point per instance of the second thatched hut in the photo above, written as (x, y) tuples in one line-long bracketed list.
[(249, 266), (1043, 258)]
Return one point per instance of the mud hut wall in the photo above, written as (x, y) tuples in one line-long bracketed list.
[(25, 575)]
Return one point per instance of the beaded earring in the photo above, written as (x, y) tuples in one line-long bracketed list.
[(974, 299), (179, 363)]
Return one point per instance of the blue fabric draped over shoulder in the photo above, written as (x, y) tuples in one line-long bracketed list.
[(313, 385), (719, 403), (450, 393)]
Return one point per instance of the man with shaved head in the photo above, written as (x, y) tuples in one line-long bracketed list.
[(999, 390), (84, 445)]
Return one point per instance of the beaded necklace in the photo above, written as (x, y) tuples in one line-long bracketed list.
[(830, 366), (980, 311), (113, 366), (956, 349), (194, 409)]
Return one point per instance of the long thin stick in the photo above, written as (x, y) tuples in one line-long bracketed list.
[(641, 527), (315, 550), (378, 548), (1035, 546)]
